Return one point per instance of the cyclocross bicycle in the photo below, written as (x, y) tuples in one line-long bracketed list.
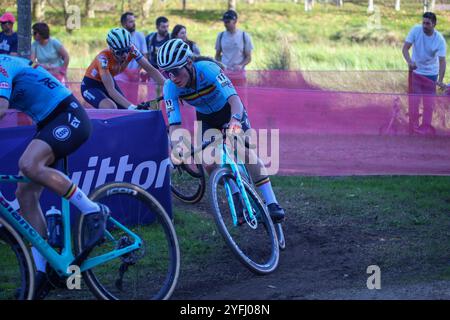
[(250, 233), (141, 261), (188, 182)]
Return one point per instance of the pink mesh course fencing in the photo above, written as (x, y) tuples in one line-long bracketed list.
[(341, 123)]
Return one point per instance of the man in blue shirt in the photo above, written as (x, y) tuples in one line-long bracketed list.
[(8, 38)]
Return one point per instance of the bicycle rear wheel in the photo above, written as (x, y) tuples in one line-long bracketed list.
[(188, 182), (149, 272), (16, 266), (255, 245)]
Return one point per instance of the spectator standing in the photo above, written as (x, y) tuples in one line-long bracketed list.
[(427, 69), (49, 52), (129, 79), (234, 49), (180, 32), (154, 41), (233, 46), (8, 38)]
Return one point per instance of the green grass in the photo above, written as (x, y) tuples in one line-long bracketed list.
[(197, 235), (386, 202)]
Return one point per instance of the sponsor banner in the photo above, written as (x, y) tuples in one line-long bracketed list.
[(131, 148)]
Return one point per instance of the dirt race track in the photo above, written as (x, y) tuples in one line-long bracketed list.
[(320, 262)]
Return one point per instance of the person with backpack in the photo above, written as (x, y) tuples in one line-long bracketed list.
[(156, 39), (233, 46)]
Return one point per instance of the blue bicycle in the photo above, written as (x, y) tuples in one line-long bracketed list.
[(242, 218), (136, 262)]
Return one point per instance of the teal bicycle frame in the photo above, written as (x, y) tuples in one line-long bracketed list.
[(59, 262), (236, 168)]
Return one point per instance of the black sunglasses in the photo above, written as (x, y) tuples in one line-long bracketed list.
[(5, 22)]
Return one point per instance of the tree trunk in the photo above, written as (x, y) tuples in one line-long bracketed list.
[(232, 5), (89, 6), (428, 5), (339, 3), (38, 7), (184, 5), (370, 8), (397, 5), (308, 5), (66, 4), (146, 8), (24, 27)]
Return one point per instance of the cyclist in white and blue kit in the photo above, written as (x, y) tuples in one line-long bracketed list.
[(203, 85), (62, 127)]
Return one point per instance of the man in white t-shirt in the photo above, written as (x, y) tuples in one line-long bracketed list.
[(427, 69), (129, 79), (233, 46), (234, 49)]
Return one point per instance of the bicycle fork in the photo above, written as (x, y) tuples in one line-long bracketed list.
[(251, 221)]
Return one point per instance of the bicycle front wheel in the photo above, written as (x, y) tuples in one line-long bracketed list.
[(254, 243), (150, 271), (16, 266)]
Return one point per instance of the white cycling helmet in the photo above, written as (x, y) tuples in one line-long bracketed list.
[(118, 39), (173, 54)]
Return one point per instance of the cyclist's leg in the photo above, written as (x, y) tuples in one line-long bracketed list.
[(96, 95), (28, 195), (259, 175), (107, 104), (62, 134)]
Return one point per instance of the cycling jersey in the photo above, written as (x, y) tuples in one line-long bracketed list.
[(30, 89), (211, 93), (105, 62)]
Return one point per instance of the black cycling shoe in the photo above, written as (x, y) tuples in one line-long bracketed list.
[(95, 225), (42, 286), (239, 208), (276, 212)]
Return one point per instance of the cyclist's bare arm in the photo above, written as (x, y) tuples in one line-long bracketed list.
[(173, 128), (236, 105), (154, 74), (108, 82)]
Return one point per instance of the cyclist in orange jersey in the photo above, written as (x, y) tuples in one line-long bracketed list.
[(98, 87)]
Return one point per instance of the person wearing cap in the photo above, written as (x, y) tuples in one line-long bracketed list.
[(233, 46), (8, 38)]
